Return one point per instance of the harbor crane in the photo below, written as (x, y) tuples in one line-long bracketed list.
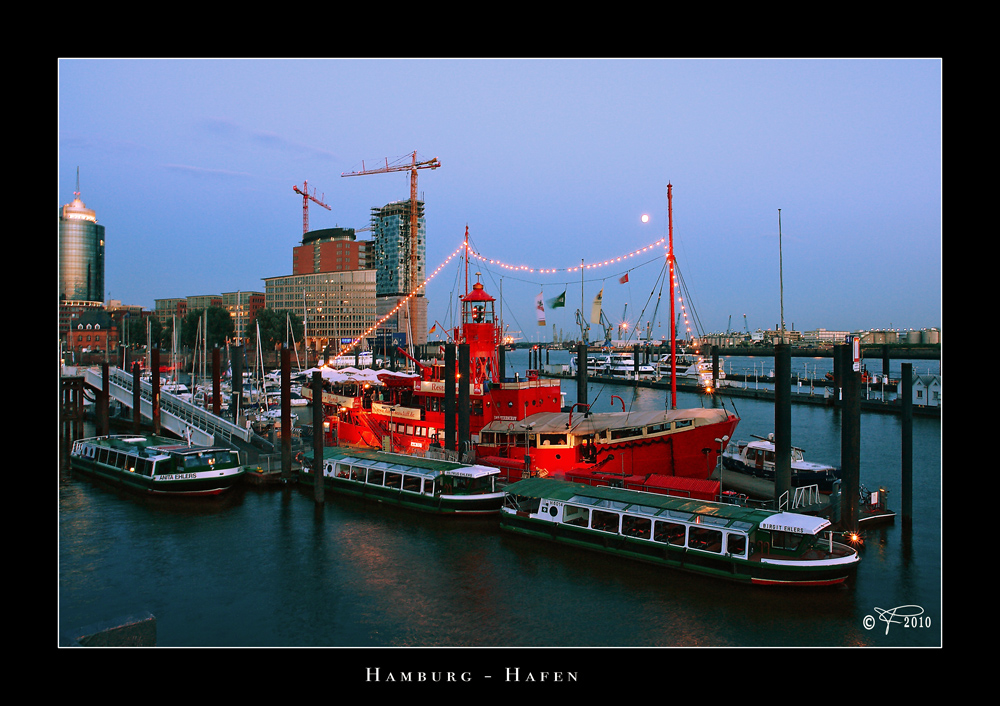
[(306, 198), (411, 167)]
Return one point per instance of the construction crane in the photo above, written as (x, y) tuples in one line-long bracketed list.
[(306, 198), (412, 168)]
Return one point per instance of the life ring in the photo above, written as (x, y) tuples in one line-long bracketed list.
[(299, 457)]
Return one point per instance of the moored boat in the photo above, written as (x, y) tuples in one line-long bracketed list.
[(756, 458), (157, 465), (426, 484), (623, 365), (751, 546)]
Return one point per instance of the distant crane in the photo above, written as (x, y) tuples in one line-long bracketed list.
[(306, 198), (412, 168)]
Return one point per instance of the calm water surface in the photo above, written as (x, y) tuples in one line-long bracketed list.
[(270, 567)]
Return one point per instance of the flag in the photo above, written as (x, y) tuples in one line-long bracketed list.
[(623, 279), (433, 329), (558, 302), (540, 309), (595, 310)]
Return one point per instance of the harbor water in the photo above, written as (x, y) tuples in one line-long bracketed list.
[(269, 567)]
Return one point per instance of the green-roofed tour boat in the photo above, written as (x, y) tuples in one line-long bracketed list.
[(157, 465), (409, 481), (748, 545)]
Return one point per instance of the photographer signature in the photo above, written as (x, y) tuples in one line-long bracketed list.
[(908, 615)]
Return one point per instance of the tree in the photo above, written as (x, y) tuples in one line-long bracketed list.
[(273, 326), (220, 327)]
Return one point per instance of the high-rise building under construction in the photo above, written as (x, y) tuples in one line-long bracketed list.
[(400, 267)]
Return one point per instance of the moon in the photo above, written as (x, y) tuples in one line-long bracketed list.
[(645, 218)]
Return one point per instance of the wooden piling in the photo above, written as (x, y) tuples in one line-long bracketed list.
[(286, 414), (581, 373), (136, 399), (850, 439), (449, 396), (464, 380), (782, 423), (317, 411), (906, 403)]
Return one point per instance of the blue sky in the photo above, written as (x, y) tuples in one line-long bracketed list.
[(190, 165)]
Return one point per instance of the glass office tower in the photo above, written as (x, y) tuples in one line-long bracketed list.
[(81, 253)]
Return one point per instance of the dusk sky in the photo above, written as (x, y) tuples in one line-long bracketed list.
[(190, 166)]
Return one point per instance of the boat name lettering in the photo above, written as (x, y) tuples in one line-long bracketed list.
[(396, 412), (177, 476), (438, 387), (782, 528)]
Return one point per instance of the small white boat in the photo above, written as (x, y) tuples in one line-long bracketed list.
[(756, 458), (622, 365)]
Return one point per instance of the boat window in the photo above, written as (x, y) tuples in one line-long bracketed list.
[(144, 467), (785, 540), (525, 503), (605, 521), (709, 540), (623, 433), (636, 526), (393, 480), (412, 483), (553, 439), (343, 470), (578, 516), (736, 544), (669, 533), (374, 477), (657, 428), (682, 423), (471, 486)]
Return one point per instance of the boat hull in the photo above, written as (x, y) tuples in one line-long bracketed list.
[(185, 484), (488, 504), (156, 465), (745, 572)]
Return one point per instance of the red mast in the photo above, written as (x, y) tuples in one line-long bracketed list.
[(673, 333)]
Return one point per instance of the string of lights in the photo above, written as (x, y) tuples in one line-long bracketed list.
[(549, 270), (402, 302), (507, 266)]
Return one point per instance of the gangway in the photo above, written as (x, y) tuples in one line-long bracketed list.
[(177, 415)]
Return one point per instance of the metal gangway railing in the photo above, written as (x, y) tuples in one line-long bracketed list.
[(176, 414)]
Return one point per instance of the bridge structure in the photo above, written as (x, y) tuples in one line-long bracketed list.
[(177, 415)]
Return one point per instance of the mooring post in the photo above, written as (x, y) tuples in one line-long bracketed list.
[(449, 396), (286, 414), (906, 404), (216, 380), (154, 380), (715, 367), (464, 382), (103, 420), (850, 442), (581, 373), (318, 414), (136, 398), (782, 421), (236, 363)]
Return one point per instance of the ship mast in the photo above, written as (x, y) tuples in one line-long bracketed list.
[(673, 333)]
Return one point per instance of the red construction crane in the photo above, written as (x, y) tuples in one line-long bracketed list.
[(306, 198), (412, 168)]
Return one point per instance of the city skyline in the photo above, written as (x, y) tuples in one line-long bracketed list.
[(190, 166)]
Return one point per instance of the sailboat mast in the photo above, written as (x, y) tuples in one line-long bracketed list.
[(673, 326)]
